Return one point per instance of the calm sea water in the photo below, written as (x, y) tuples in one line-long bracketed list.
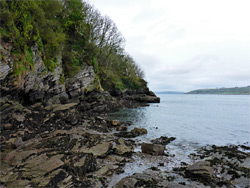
[(194, 119)]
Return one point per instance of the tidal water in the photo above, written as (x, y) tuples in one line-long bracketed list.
[(194, 119)]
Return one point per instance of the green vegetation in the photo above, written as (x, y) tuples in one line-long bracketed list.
[(223, 91), (74, 30)]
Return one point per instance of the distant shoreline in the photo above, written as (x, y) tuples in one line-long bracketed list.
[(223, 91)]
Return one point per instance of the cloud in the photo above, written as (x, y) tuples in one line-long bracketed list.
[(185, 45)]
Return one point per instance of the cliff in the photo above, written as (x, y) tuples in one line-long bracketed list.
[(53, 130), (59, 77), (41, 85)]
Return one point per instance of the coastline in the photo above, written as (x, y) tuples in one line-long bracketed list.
[(63, 146)]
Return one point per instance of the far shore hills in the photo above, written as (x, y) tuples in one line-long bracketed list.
[(217, 91), (223, 91)]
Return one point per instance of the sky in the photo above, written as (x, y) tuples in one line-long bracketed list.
[(184, 45)]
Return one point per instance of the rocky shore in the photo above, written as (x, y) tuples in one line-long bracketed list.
[(62, 145), (56, 132)]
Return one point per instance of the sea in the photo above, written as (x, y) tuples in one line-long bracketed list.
[(194, 120)]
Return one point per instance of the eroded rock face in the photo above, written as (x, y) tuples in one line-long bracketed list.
[(152, 149), (83, 81), (34, 85)]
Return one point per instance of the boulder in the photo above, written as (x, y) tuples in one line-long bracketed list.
[(152, 149), (115, 123), (200, 171), (139, 131)]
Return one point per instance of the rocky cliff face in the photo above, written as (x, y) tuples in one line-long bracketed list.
[(50, 87), (39, 84), (30, 86)]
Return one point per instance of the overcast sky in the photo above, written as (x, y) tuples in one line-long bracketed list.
[(184, 45)]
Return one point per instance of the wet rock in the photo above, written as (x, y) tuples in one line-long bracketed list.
[(122, 149), (107, 170), (40, 165), (100, 150), (126, 134), (137, 180), (139, 131), (60, 107), (127, 182), (152, 149), (18, 142), (163, 140), (87, 163), (121, 128), (200, 171), (14, 157)]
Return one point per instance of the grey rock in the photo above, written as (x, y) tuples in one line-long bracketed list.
[(152, 149), (123, 149), (82, 81), (18, 142), (127, 182)]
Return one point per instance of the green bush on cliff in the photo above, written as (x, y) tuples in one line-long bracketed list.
[(73, 29)]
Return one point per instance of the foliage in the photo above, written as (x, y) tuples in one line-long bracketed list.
[(223, 91), (73, 29)]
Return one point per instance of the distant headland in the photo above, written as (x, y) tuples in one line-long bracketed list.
[(223, 91)]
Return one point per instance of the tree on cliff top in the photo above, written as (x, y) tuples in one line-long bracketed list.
[(73, 29)]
